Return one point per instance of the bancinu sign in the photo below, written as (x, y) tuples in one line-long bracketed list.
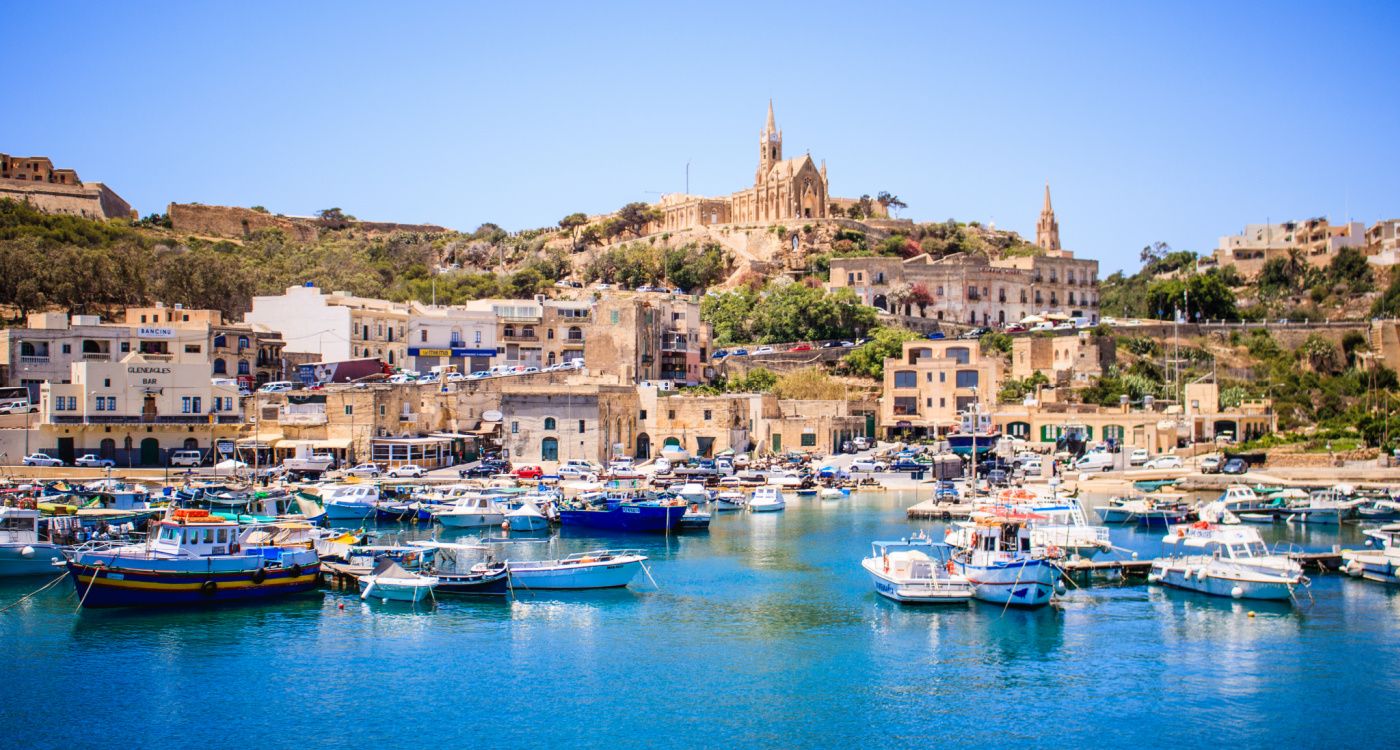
[(155, 333)]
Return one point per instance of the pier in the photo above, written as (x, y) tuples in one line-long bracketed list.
[(931, 510)]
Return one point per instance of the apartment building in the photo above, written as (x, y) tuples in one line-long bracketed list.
[(336, 326), (1064, 360), (931, 382)]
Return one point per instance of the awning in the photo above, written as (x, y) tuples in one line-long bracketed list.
[(1032, 319), (487, 428), (266, 438), (454, 435), (333, 443), (409, 441), (1057, 316)]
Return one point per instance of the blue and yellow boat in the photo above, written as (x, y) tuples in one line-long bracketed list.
[(192, 558)]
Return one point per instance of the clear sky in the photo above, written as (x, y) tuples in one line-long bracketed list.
[(1152, 121)]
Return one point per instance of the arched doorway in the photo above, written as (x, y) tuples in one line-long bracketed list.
[(107, 449), (880, 302), (549, 449), (643, 445), (191, 444), (671, 441), (150, 452)]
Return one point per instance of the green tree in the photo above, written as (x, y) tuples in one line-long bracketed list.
[(868, 359), (695, 269), (729, 315), (1351, 268), (995, 343), (570, 224), (889, 201)]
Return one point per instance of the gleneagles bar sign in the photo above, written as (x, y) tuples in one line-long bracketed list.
[(147, 373)]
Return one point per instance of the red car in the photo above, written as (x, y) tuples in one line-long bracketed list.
[(529, 472), (1014, 328), (801, 348)]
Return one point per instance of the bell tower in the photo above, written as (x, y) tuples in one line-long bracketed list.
[(770, 147), (1047, 230)]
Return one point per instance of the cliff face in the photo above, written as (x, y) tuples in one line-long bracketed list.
[(235, 222)]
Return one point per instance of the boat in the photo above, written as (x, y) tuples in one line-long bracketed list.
[(622, 512), (598, 569), (693, 493), (832, 493), (452, 566), (192, 558), (21, 552), (766, 500), (470, 511), (1159, 510), (1329, 507), (806, 492), (1152, 485), (526, 517), (1058, 525), (697, 518), (728, 500), (1223, 560), (1003, 566), (1241, 498), (784, 478), (389, 582), (975, 432), (1381, 565), (353, 501), (904, 571)]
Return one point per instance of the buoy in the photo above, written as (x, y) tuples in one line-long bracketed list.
[(27, 552), (1251, 614), (1238, 592), (1060, 587), (505, 525), (342, 605)]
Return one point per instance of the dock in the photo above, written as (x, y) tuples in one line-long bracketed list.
[(340, 575), (932, 510), (1124, 569)]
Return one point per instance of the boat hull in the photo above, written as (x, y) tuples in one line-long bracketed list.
[(494, 583), (910, 592), (655, 518), (470, 520), (1190, 578), (40, 560), (767, 507), (575, 577), (394, 592), (527, 522), (1017, 583), (120, 586), (336, 511)]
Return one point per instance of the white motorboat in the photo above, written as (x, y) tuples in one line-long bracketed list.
[(784, 478), (598, 569), (354, 501), (693, 493), (1330, 507), (1004, 567), (1225, 561), (728, 500), (1058, 525), (470, 511), (766, 500), (1381, 565), (527, 517), (831, 493), (904, 571), (391, 583), (21, 552)]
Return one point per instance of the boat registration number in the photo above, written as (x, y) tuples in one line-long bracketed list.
[(631, 510), (116, 576)]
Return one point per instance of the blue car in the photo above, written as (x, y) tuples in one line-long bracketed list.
[(936, 335), (720, 354), (741, 353)]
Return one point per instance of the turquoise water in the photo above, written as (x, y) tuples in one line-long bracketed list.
[(764, 633)]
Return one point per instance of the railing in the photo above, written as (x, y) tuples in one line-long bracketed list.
[(520, 337), (97, 356), (145, 419), (33, 360)]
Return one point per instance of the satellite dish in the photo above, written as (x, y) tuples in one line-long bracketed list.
[(492, 415)]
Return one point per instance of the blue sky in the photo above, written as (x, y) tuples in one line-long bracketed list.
[(1173, 122)]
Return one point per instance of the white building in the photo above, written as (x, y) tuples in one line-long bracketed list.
[(459, 336), (336, 326)]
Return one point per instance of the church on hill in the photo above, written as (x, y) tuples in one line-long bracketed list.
[(784, 190)]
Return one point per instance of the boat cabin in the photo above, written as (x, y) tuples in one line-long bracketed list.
[(19, 526), (1215, 541), (1001, 535), (192, 534)]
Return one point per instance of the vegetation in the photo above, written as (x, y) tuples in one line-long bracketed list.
[(1014, 391), (784, 312), (1388, 305), (1167, 284), (869, 358), (809, 383), (995, 343)]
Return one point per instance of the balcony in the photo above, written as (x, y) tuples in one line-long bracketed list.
[(156, 419), (521, 337), (33, 360), (97, 356)]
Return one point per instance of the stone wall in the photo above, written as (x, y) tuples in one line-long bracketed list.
[(235, 222), (92, 200)]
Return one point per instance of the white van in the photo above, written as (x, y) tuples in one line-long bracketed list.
[(1096, 461), (276, 386), (186, 458)]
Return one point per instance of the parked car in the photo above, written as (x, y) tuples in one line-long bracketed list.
[(366, 471), (1044, 325), (935, 336), (186, 458), (867, 464), (576, 468), (976, 333), (1211, 464), (763, 350), (719, 354), (801, 348), (1139, 457), (91, 461), (41, 459), (276, 386), (907, 464), (1031, 467), (1164, 462), (741, 352), (487, 468), (1235, 466), (18, 407), (1065, 325), (479, 374), (1014, 328), (1094, 462), (407, 470), (862, 443), (998, 478), (529, 472)]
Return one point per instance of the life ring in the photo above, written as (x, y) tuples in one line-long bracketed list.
[(259, 576), (27, 504), (1053, 551), (886, 558), (208, 587), (1180, 532)]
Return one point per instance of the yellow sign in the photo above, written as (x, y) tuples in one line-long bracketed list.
[(434, 352)]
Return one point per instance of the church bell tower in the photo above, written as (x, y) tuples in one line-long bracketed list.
[(1047, 229), (770, 147)]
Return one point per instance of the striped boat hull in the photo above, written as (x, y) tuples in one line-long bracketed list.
[(103, 586)]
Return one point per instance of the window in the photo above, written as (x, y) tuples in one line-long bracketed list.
[(382, 410), (106, 382), (349, 409), (220, 367), (614, 317), (126, 346), (809, 439), (243, 367), (423, 335), (967, 379), (642, 415), (942, 377), (196, 406), (192, 348), (220, 341), (242, 343), (101, 403), (906, 379), (670, 413), (959, 353), (549, 423), (67, 348), (184, 404), (111, 403), (549, 334), (477, 337), (581, 425), (707, 415)]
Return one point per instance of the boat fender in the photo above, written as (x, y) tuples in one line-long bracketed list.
[(28, 551), (950, 566), (1237, 592), (259, 576), (297, 570), (208, 587), (886, 558), (1180, 531)]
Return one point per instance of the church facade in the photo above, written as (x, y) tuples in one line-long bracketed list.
[(783, 190)]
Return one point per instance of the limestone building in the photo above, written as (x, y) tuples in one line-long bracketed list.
[(35, 180), (931, 382), (1064, 360)]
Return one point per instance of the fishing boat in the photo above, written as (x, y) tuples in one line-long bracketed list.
[(1004, 567), (832, 493), (696, 518), (192, 558), (470, 511), (453, 567), (905, 571), (1158, 510), (389, 582), (622, 512), (766, 500), (1241, 498), (975, 432), (526, 517), (598, 569), (1225, 561), (1329, 507), (349, 502), (729, 500), (21, 552), (1057, 525), (1382, 564)]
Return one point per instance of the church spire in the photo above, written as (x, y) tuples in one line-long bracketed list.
[(771, 127), (1047, 229), (770, 147)]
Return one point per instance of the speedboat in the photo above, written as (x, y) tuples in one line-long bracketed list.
[(1004, 567), (1381, 565), (766, 500), (391, 583), (21, 552), (192, 558), (471, 511), (832, 493), (526, 517), (693, 493), (349, 502), (697, 517), (598, 569), (1225, 561), (730, 500), (904, 571), (1159, 510), (1330, 507)]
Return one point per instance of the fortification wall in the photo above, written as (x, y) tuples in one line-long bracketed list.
[(92, 200), (232, 221)]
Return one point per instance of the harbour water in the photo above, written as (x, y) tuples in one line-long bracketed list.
[(764, 633)]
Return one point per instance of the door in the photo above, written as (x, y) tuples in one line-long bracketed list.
[(777, 443), (549, 449), (148, 409), (643, 446), (65, 450), (150, 452)]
